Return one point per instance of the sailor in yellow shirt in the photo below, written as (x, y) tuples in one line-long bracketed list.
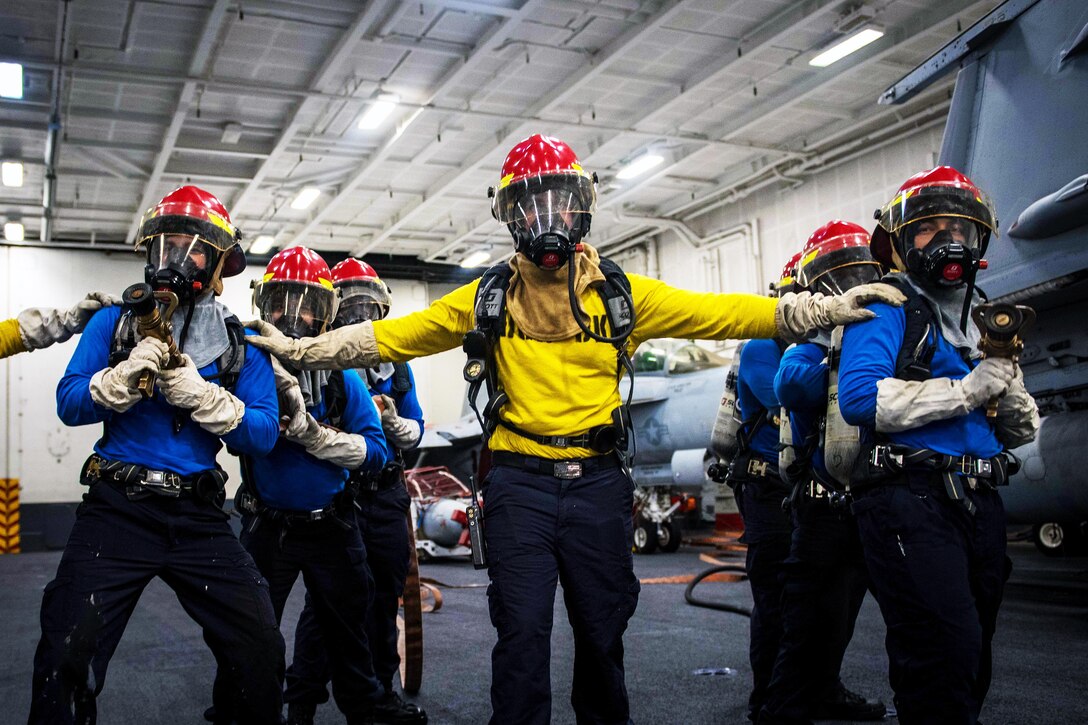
[(40, 327), (558, 498)]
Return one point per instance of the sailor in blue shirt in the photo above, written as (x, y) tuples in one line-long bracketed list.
[(825, 578), (384, 504), (759, 491), (929, 516), (297, 519), (153, 506)]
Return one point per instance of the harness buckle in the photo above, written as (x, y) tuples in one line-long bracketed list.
[(568, 470), (168, 484), (757, 468), (983, 467)]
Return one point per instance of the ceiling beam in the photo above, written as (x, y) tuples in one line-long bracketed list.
[(907, 31), (373, 15), (454, 75), (588, 71), (201, 60)]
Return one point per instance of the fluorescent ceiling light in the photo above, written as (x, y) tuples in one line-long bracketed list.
[(14, 232), (262, 244), (12, 173), (378, 111), (846, 46), (305, 197), (476, 259), (11, 80), (639, 166)]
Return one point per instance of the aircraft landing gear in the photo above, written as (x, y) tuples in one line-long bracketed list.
[(655, 527), (1057, 539)]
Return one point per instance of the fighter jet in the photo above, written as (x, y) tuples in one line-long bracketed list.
[(675, 401), (1016, 127)]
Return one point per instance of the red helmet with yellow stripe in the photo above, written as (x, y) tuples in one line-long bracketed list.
[(545, 198), (296, 293), (836, 258), (190, 242), (363, 295), (787, 280)]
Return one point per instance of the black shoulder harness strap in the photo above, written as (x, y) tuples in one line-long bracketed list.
[(489, 309), (919, 339), (402, 382), (336, 398)]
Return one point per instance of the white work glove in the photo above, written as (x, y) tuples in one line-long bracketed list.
[(41, 326), (1017, 415), (344, 348), (346, 450), (906, 404), (115, 388), (290, 396), (801, 315), (403, 432), (211, 406)]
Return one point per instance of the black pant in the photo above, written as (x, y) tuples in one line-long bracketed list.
[(116, 548), (539, 530), (332, 561), (767, 531), (384, 525), (938, 573), (825, 582)]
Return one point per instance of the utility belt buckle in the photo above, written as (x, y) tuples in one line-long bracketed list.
[(567, 470), (163, 483), (979, 467), (817, 490), (882, 457), (245, 502), (757, 468)]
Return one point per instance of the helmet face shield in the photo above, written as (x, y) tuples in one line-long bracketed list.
[(362, 300), (297, 309), (839, 280), (926, 202), (538, 202), (940, 231)]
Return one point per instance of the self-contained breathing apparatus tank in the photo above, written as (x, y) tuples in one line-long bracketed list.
[(842, 441), (787, 454), (723, 437)]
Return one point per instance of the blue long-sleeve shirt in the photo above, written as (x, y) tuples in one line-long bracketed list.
[(801, 387), (289, 478), (407, 403), (144, 434), (755, 392), (869, 352)]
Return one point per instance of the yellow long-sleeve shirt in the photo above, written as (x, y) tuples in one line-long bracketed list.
[(570, 386), (11, 342)]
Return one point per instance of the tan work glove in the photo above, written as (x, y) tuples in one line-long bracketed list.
[(344, 348), (211, 406), (906, 404), (115, 388), (347, 450), (41, 326), (1017, 415), (403, 432), (800, 315)]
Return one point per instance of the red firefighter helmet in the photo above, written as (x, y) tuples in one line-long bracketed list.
[(787, 281), (296, 293), (363, 295), (837, 257), (191, 224), (545, 198), (939, 192)]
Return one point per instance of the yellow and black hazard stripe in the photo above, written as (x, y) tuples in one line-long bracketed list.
[(9, 516)]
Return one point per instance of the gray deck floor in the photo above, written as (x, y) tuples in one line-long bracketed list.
[(162, 670)]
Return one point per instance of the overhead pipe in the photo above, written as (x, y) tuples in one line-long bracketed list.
[(52, 138)]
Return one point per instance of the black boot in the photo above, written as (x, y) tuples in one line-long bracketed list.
[(842, 704), (392, 710), (301, 713)]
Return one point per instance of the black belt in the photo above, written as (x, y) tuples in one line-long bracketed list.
[(138, 480), (390, 476), (601, 438), (565, 469), (251, 504), (900, 458)]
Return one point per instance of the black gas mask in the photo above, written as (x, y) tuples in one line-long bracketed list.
[(943, 262), (181, 264), (548, 225)]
